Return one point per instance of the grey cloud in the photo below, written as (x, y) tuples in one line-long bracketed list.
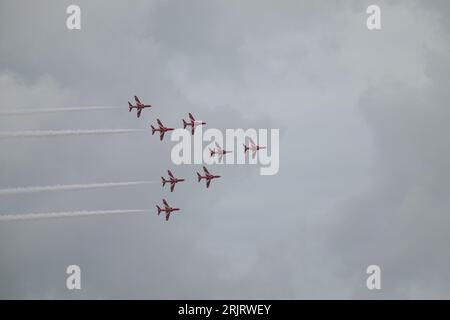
[(363, 167)]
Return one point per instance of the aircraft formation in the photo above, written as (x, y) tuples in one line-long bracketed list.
[(193, 123)]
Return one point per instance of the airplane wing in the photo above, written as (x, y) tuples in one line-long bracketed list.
[(207, 183), (251, 141), (161, 135), (137, 99), (191, 117), (254, 153), (172, 186), (220, 157), (219, 149), (165, 203), (159, 123), (139, 113), (167, 216), (193, 129), (206, 170), (170, 173)]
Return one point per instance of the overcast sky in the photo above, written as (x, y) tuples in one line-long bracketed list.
[(364, 149)]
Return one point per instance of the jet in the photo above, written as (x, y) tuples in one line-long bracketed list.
[(192, 122), (253, 147), (172, 180), (167, 209), (139, 106), (162, 130), (208, 177), (219, 151)]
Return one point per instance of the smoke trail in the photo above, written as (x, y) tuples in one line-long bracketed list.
[(20, 112), (21, 190), (53, 133), (33, 216)]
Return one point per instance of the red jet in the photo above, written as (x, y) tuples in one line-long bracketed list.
[(172, 180), (253, 147), (192, 122), (139, 106), (167, 209), (219, 151), (208, 177), (162, 130)]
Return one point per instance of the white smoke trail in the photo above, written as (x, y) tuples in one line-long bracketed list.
[(21, 190), (54, 133), (19, 112), (33, 216)]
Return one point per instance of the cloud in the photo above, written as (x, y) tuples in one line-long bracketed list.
[(363, 163), (401, 222)]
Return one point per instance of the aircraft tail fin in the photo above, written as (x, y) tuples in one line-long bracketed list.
[(211, 152), (245, 148), (159, 209), (184, 124), (129, 106), (199, 177), (163, 181), (153, 129)]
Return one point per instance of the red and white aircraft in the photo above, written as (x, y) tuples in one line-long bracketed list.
[(208, 177), (253, 147), (167, 209), (192, 122), (219, 151), (172, 180), (162, 130), (139, 106)]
